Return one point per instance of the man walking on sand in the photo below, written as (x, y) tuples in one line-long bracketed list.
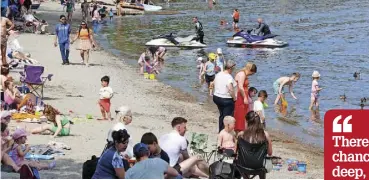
[(5, 22), (85, 6), (62, 32)]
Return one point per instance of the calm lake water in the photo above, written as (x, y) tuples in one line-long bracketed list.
[(327, 36)]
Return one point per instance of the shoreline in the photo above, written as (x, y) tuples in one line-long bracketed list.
[(153, 104)]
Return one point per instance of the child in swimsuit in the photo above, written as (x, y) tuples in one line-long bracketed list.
[(20, 149), (252, 93), (227, 137), (279, 84), (315, 89)]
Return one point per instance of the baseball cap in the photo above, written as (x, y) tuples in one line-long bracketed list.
[(140, 150)]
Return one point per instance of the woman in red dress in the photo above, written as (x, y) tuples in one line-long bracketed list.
[(242, 102)]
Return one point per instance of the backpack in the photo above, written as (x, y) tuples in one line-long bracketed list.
[(221, 170), (89, 166), (26, 172)]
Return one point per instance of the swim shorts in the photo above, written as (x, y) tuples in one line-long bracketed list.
[(276, 88), (235, 20)]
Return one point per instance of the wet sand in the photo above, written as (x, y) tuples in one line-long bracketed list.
[(153, 103)]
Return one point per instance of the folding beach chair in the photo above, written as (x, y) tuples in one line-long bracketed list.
[(251, 159), (199, 146), (32, 76)]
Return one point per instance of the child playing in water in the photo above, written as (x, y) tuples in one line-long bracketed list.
[(226, 137), (259, 105), (279, 84), (149, 67), (252, 93), (111, 14), (106, 93), (315, 89), (141, 60), (201, 66), (20, 149)]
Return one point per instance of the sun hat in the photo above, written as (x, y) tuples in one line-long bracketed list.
[(4, 115), (315, 74), (140, 149), (18, 133), (219, 51)]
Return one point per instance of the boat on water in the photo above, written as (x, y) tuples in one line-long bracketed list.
[(131, 8), (245, 39), (170, 40), (149, 6)]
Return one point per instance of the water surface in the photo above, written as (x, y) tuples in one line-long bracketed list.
[(327, 36)]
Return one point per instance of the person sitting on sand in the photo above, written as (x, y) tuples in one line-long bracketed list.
[(150, 67), (175, 144), (106, 93), (20, 149), (123, 118), (12, 96), (6, 139), (227, 137), (279, 84), (110, 164), (255, 133), (30, 20), (5, 148), (155, 151), (149, 168), (61, 124)]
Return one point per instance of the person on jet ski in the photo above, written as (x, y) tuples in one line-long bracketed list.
[(262, 29), (199, 30)]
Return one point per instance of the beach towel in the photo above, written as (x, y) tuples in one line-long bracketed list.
[(30, 156)]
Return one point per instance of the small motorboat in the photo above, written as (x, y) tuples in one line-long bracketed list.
[(149, 7), (245, 39), (173, 41)]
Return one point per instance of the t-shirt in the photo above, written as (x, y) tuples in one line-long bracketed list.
[(152, 168), (29, 17), (106, 93), (62, 31), (142, 58), (117, 127), (110, 160), (221, 81), (258, 106), (163, 155), (173, 143), (210, 68)]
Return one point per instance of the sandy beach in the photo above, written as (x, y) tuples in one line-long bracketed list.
[(154, 104)]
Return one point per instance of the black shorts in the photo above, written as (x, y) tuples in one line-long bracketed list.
[(235, 20), (209, 79), (178, 168)]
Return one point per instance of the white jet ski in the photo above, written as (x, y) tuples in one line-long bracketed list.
[(172, 41), (149, 7), (245, 39)]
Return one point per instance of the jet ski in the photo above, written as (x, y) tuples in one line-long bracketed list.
[(169, 40), (246, 39)]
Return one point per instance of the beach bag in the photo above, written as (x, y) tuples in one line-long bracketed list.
[(26, 172), (221, 170), (89, 167)]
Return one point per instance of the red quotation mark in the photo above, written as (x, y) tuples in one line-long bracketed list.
[(346, 152)]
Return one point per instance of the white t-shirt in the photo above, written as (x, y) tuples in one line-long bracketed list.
[(173, 143), (258, 106), (29, 17), (221, 81), (106, 93), (117, 127)]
